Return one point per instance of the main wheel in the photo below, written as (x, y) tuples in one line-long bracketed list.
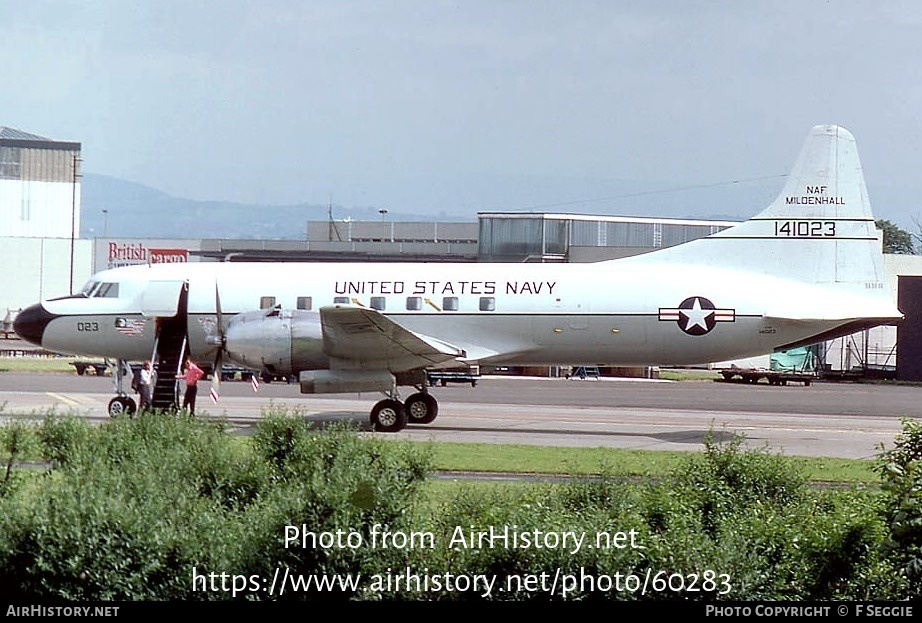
[(388, 416), (121, 405), (421, 408)]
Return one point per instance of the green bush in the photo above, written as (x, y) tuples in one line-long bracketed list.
[(61, 436), (121, 512), (158, 507), (901, 470), (727, 475), (750, 515), (131, 507), (16, 443), (332, 482)]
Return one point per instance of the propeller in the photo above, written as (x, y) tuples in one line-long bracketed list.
[(219, 352)]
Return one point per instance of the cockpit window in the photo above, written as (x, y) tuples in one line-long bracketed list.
[(87, 291), (89, 288), (107, 290), (97, 289)]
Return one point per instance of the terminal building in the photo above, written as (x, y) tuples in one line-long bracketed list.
[(43, 256), (494, 237)]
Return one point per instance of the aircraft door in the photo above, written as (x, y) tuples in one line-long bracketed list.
[(161, 298)]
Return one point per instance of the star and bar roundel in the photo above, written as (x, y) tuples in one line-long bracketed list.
[(697, 315)]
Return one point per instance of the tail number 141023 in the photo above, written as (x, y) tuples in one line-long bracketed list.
[(805, 229)]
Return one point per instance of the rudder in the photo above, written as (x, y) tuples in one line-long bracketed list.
[(820, 229)]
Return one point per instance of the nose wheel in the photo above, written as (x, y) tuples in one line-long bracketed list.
[(121, 405)]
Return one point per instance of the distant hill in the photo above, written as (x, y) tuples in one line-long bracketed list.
[(135, 210)]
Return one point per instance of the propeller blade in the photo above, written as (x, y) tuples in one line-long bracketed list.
[(219, 352), (216, 377), (218, 312)]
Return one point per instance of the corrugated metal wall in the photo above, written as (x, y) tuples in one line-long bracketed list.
[(39, 189), (49, 165)]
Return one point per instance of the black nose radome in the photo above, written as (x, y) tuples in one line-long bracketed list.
[(30, 323)]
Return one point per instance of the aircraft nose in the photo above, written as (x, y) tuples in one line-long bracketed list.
[(30, 323)]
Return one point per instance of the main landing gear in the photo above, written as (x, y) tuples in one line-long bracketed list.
[(391, 416)]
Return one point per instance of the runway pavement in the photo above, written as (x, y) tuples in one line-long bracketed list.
[(844, 420)]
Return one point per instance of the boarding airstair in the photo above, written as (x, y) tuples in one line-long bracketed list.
[(169, 354)]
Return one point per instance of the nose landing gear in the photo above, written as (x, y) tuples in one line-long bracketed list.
[(122, 404)]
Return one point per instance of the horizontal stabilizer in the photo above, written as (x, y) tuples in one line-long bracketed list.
[(842, 330)]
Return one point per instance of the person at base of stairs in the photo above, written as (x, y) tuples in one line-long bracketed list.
[(191, 376), (146, 386)]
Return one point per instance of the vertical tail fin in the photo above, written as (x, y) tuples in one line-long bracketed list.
[(820, 229)]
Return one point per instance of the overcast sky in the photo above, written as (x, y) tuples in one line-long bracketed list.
[(430, 104)]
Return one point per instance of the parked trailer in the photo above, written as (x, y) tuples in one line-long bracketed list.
[(98, 367), (773, 377)]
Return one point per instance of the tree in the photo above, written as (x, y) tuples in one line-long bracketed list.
[(897, 241)]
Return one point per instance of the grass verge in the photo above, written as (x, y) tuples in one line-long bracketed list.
[(44, 365), (554, 460)]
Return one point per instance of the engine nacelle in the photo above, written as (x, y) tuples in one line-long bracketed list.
[(346, 381), (278, 341)]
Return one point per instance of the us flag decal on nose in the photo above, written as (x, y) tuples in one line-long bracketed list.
[(697, 315)]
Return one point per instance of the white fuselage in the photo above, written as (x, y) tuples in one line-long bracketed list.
[(608, 313)]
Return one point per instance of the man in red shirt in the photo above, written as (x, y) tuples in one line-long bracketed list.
[(191, 376)]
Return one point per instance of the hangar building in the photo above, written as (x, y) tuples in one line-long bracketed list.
[(39, 184), (39, 220)]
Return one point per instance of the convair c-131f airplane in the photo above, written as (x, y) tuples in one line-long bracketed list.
[(806, 269)]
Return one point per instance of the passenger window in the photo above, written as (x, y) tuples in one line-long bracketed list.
[(414, 303), (487, 303), (450, 303), (341, 300), (304, 302), (377, 302), (266, 302)]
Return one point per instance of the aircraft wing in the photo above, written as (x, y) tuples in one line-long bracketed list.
[(362, 338)]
